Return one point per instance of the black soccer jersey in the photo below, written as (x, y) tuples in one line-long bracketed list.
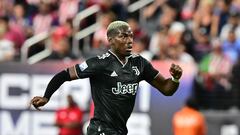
[(114, 86)]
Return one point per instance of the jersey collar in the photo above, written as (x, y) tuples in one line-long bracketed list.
[(123, 64)]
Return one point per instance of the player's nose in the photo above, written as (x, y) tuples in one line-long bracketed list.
[(129, 45)]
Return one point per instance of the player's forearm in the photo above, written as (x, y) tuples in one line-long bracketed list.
[(166, 86), (170, 87), (56, 82)]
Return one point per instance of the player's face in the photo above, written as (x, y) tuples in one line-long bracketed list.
[(122, 43)]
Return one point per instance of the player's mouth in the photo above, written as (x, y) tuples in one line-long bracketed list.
[(129, 49)]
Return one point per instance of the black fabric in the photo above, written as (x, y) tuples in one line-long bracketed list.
[(114, 86), (56, 82), (99, 128)]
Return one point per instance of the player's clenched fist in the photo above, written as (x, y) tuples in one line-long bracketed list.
[(175, 71), (38, 102)]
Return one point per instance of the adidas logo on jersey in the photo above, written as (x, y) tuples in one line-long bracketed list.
[(114, 74)]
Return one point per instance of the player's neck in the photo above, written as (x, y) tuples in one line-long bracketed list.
[(122, 58)]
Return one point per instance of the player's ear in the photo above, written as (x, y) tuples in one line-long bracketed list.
[(110, 39)]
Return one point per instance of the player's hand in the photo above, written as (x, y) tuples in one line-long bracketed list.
[(38, 102), (175, 71)]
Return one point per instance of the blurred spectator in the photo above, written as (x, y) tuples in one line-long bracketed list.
[(160, 12), (138, 32), (64, 30), (37, 2), (61, 49), (69, 119), (202, 46), (233, 22), (6, 50), (61, 39), (216, 64), (6, 46), (220, 16), (12, 34), (188, 41), (68, 10), (6, 7), (189, 120), (153, 9), (235, 5), (19, 20), (188, 10), (231, 46), (213, 78), (175, 33), (44, 20), (158, 41), (139, 47), (100, 36), (202, 18), (177, 52), (116, 6)]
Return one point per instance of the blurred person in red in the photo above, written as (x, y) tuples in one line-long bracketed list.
[(20, 21), (69, 119), (7, 50), (189, 120), (11, 33), (61, 42)]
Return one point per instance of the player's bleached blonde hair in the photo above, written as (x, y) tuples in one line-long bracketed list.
[(114, 27)]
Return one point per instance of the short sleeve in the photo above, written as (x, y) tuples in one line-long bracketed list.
[(149, 72), (87, 68)]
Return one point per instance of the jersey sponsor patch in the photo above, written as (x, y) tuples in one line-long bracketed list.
[(83, 66)]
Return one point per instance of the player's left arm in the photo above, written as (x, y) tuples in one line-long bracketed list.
[(168, 86)]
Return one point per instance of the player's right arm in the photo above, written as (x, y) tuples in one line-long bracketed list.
[(58, 79), (86, 69)]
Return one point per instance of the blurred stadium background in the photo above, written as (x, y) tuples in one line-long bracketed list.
[(41, 37)]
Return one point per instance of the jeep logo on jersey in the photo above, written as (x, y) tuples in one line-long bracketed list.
[(125, 88)]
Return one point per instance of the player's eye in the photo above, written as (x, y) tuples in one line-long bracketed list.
[(121, 36), (130, 35)]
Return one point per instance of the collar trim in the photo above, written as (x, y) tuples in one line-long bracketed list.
[(123, 64)]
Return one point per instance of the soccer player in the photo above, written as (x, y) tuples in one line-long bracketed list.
[(114, 78)]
